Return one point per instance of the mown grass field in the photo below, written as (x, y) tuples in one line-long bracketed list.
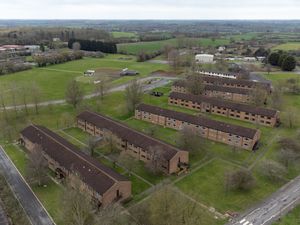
[(123, 34), (152, 46), (290, 46), (52, 80)]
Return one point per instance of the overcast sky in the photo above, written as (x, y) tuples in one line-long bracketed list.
[(150, 9)]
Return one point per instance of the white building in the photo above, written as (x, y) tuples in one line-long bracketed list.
[(221, 48), (89, 73), (204, 58), (218, 74)]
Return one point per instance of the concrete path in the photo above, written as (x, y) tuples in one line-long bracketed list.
[(272, 208), (30, 203)]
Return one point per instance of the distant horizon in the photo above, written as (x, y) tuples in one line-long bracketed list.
[(53, 19), (150, 10)]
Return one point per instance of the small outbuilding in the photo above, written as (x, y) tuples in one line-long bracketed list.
[(127, 72), (204, 58), (89, 73)]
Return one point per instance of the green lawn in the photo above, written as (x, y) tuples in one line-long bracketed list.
[(77, 133), (50, 197), (116, 34), (292, 218), (152, 46), (280, 76), (52, 80), (290, 46), (17, 156), (207, 186)]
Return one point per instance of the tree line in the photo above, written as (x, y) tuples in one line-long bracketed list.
[(282, 59), (12, 67), (93, 45), (51, 58)]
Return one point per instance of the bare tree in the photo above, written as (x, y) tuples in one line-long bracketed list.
[(76, 46), (92, 144), (112, 214), (258, 96), (127, 161), (195, 84), (111, 142), (289, 151), (168, 207), (3, 105), (133, 95), (24, 92), (289, 117), (174, 59), (241, 179), (36, 96), (276, 97), (74, 93), (272, 170), (13, 93), (37, 167), (101, 88), (191, 141), (77, 208), (157, 159)]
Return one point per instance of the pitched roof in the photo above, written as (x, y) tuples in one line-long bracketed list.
[(228, 81), (243, 91), (198, 120), (134, 137), (99, 177), (225, 104)]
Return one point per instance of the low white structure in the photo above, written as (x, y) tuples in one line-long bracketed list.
[(204, 58), (218, 74), (221, 48), (249, 59), (89, 73)]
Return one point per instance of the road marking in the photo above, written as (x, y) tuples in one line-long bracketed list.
[(246, 223), (243, 220), (254, 211)]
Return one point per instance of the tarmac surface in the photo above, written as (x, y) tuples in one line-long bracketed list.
[(30, 203)]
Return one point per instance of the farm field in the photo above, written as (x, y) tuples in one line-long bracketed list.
[(152, 46), (290, 46), (52, 80), (116, 34)]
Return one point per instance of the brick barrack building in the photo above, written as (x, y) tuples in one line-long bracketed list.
[(228, 93), (257, 115), (135, 143), (102, 183), (236, 83), (234, 135)]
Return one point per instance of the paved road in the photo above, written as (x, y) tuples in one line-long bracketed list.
[(160, 81), (3, 218), (274, 207), (33, 208)]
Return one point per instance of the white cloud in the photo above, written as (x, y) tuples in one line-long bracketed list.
[(146, 9)]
